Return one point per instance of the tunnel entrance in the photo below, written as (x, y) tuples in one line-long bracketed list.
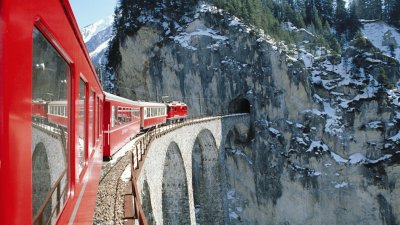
[(239, 105)]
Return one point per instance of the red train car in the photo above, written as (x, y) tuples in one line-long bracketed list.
[(58, 113), (176, 111), (152, 114), (49, 176), (121, 122), (39, 108)]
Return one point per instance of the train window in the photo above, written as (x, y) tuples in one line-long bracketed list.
[(96, 114), (113, 111), (50, 151), (98, 117), (80, 153), (91, 122)]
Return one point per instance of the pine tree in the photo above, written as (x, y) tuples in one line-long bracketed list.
[(383, 78), (316, 20), (325, 10), (308, 5), (353, 23), (394, 14), (375, 9), (360, 7), (340, 17)]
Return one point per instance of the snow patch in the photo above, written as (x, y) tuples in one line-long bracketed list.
[(184, 39), (395, 138), (126, 175), (317, 146), (91, 30), (338, 158), (341, 185), (383, 36)]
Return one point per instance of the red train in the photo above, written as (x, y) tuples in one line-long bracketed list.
[(56, 123), (47, 157), (124, 119), (177, 111)]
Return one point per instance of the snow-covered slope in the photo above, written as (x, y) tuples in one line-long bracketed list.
[(96, 37), (383, 36)]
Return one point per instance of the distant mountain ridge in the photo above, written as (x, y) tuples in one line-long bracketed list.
[(96, 36)]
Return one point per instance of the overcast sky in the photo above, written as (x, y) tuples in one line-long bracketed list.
[(88, 11)]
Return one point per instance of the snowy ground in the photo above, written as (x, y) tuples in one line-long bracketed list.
[(376, 33)]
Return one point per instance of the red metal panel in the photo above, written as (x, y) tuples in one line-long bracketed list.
[(115, 137), (58, 120), (153, 121), (120, 136), (177, 112)]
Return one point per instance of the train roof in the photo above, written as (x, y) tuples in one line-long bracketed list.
[(113, 97), (64, 102), (110, 96), (38, 101), (176, 103), (150, 104)]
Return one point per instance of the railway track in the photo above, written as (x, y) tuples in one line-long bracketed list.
[(109, 202)]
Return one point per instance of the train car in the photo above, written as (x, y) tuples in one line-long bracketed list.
[(57, 113), (176, 111), (152, 114), (121, 122), (49, 173)]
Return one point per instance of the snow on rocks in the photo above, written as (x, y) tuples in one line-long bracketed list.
[(383, 37), (184, 39), (338, 158), (359, 159), (317, 147), (341, 185), (395, 138), (274, 131)]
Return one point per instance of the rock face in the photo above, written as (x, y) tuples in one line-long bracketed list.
[(324, 145)]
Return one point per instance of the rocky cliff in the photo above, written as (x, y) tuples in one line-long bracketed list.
[(324, 147)]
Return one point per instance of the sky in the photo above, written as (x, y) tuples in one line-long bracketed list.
[(88, 11)]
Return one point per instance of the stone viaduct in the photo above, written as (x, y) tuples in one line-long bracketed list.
[(182, 179)]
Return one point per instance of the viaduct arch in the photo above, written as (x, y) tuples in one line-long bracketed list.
[(188, 163)]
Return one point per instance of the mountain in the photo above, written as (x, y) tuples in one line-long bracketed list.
[(325, 134), (97, 36), (325, 139)]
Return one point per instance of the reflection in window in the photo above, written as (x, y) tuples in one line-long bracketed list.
[(91, 122), (50, 128), (81, 127), (98, 117)]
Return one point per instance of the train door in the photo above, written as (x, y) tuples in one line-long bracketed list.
[(51, 82)]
